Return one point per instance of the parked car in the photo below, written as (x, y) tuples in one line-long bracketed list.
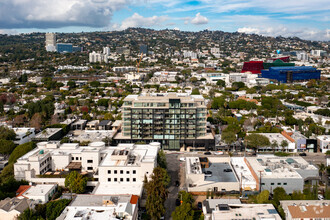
[(177, 183), (182, 159), (320, 197), (208, 173), (177, 202), (303, 154), (227, 170), (218, 152), (207, 153)]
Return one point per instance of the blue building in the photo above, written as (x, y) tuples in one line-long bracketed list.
[(64, 48), (291, 73)]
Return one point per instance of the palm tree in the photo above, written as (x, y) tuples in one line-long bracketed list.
[(322, 168)]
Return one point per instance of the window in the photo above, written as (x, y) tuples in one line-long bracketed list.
[(262, 184), (77, 158), (121, 171), (109, 171), (285, 184), (115, 171), (272, 184), (134, 171), (89, 168), (134, 179), (127, 179), (121, 179), (278, 184), (109, 179), (72, 158), (127, 172), (80, 158), (115, 179), (89, 161)]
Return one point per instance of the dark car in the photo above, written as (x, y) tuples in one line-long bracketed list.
[(207, 153), (303, 154), (199, 205), (177, 202), (208, 173), (177, 183), (227, 170)]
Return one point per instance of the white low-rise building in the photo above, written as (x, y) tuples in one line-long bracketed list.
[(323, 141), (24, 135), (40, 193), (291, 173), (101, 207), (118, 167)]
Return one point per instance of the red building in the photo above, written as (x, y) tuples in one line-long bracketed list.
[(253, 67)]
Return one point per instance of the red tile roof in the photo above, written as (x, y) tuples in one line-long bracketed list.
[(21, 190)]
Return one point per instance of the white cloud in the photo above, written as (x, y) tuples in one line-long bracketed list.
[(199, 19), (304, 33), (8, 31), (137, 20), (57, 13)]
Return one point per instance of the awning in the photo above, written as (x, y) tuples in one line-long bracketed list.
[(74, 166)]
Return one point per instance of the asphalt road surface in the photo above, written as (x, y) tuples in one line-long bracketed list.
[(173, 167)]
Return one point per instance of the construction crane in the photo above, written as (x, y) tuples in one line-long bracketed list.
[(138, 63)]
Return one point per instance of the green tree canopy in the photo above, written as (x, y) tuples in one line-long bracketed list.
[(221, 83), (183, 212), (263, 197), (195, 91), (228, 137), (6, 146), (279, 194), (161, 159), (257, 140), (76, 182), (7, 133), (157, 192), (20, 150)]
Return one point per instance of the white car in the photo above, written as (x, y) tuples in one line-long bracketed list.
[(320, 197), (182, 159), (218, 153)]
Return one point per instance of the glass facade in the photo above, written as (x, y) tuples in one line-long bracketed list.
[(167, 122)]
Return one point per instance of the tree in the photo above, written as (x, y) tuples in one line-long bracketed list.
[(95, 84), (55, 208), (322, 168), (278, 195), (221, 83), (228, 137), (20, 150), (157, 193), (193, 79), (273, 145), (284, 144), (195, 91), (7, 133), (257, 140), (6, 146), (28, 214), (183, 212), (263, 197), (238, 85), (161, 159), (76, 182), (36, 121)]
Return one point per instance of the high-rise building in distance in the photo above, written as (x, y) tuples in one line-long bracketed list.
[(50, 42)]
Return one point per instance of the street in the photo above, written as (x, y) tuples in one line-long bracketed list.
[(173, 165)]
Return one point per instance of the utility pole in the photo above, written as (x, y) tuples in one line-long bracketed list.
[(260, 171)]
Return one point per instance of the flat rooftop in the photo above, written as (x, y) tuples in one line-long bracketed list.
[(218, 174), (121, 188), (247, 211), (48, 132), (38, 190), (279, 167)]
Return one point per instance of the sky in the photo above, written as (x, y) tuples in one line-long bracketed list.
[(306, 19)]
